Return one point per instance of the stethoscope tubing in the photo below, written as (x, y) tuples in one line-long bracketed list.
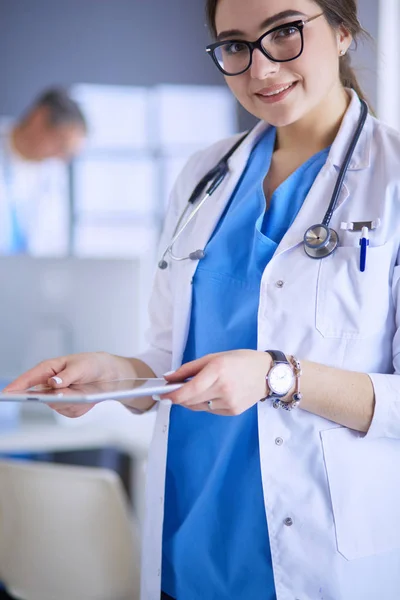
[(214, 178), (179, 230), (320, 241), (343, 171), (217, 175)]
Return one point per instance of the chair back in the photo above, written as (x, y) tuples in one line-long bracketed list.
[(66, 532)]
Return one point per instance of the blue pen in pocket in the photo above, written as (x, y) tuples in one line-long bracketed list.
[(364, 243)]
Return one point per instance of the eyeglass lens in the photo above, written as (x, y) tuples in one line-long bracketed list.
[(282, 45)]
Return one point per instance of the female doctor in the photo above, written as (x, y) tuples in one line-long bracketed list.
[(274, 473)]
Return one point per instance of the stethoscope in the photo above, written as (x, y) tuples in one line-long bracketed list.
[(319, 240)]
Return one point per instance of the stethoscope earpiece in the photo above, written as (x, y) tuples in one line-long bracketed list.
[(197, 255)]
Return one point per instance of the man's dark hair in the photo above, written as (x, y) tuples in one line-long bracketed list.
[(62, 109)]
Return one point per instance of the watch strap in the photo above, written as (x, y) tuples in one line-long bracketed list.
[(277, 356)]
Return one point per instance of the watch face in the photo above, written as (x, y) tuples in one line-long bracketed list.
[(280, 379)]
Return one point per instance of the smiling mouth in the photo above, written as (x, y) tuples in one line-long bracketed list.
[(278, 91)]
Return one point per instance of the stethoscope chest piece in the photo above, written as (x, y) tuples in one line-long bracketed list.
[(320, 241)]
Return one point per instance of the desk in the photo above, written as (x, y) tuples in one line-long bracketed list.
[(108, 424)]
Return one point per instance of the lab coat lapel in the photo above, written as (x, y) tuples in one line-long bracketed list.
[(312, 211), (197, 236)]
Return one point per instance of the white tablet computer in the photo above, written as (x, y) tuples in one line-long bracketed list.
[(93, 392)]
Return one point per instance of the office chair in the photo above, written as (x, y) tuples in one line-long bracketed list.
[(66, 533)]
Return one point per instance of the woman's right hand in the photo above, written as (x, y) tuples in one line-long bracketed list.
[(74, 368)]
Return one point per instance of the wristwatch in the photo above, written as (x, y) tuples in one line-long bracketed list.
[(280, 378)]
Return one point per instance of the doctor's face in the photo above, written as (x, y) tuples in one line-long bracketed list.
[(62, 142), (309, 79)]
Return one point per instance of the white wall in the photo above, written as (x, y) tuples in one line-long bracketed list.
[(388, 81)]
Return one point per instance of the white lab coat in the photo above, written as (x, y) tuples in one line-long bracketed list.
[(341, 488), (38, 195)]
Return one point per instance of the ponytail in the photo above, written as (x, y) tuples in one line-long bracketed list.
[(349, 78)]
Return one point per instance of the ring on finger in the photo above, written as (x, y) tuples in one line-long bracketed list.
[(210, 405)]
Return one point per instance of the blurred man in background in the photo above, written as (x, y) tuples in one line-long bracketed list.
[(33, 178)]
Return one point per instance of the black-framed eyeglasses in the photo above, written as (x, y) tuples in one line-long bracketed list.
[(280, 44)]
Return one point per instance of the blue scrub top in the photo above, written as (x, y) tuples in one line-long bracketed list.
[(215, 537)]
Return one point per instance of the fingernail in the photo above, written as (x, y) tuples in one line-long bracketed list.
[(58, 380), (168, 373)]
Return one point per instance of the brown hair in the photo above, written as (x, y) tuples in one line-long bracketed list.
[(337, 13)]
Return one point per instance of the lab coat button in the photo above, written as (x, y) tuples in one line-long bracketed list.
[(159, 573), (288, 522), (164, 429), (280, 284), (279, 441)]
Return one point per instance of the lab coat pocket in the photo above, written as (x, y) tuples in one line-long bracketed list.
[(364, 482), (353, 304)]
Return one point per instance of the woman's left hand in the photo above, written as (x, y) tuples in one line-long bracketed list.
[(227, 383)]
